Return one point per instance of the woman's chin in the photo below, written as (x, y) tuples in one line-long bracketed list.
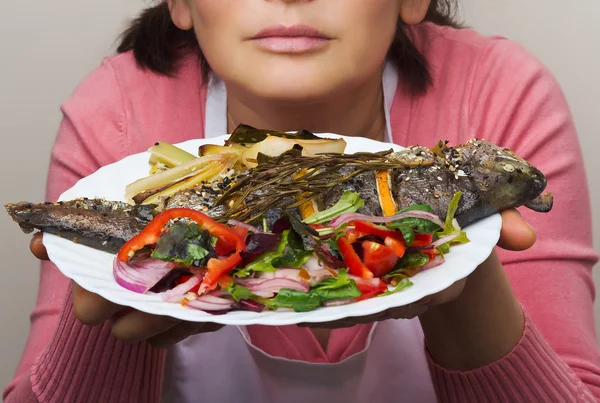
[(292, 88)]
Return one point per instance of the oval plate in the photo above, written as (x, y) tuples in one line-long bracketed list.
[(92, 269)]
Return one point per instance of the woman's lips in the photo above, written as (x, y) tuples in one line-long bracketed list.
[(294, 39)]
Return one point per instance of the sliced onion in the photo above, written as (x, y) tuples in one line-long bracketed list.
[(142, 276), (264, 294), (292, 274), (339, 302), (313, 263), (438, 260), (272, 285), (344, 218), (210, 303), (179, 291), (267, 288), (249, 227), (444, 240), (372, 281)]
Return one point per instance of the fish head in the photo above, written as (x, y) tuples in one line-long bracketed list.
[(503, 179)]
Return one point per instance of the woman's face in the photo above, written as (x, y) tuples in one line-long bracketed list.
[(292, 49)]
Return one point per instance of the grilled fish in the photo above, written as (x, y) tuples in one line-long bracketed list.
[(490, 178)]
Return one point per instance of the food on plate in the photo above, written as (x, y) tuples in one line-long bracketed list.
[(173, 169), (294, 229)]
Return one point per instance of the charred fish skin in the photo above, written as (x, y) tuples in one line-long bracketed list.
[(491, 179), (97, 223), (432, 184), (202, 198), (364, 184)]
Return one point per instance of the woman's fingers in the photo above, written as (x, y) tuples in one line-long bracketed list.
[(447, 295), (91, 309), (182, 331), (130, 325), (516, 234), (37, 247), (133, 326)]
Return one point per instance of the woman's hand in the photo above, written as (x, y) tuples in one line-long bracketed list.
[(515, 234), (127, 324)]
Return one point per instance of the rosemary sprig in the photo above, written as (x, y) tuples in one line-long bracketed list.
[(278, 182)]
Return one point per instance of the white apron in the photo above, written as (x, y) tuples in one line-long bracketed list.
[(224, 367)]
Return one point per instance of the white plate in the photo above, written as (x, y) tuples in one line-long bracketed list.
[(92, 269)]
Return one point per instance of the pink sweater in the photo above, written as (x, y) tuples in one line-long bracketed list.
[(483, 87)]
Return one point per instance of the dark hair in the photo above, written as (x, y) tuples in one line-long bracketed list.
[(159, 45)]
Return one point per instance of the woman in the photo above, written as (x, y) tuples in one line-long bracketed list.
[(519, 329)]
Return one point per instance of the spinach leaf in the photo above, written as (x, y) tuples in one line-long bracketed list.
[(349, 290), (408, 261), (331, 283), (299, 301), (329, 289), (184, 243), (333, 288), (408, 226), (264, 262), (294, 255)]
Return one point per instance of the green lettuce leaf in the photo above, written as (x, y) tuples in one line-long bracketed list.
[(239, 292), (449, 228), (403, 283), (350, 202)]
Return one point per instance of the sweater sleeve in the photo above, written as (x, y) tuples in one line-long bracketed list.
[(516, 102), (64, 360)]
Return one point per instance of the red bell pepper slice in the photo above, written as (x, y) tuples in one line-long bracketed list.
[(352, 235), (224, 246), (153, 231), (224, 281), (378, 258), (369, 228), (218, 268), (423, 240), (352, 260), (369, 290), (397, 246), (431, 252)]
